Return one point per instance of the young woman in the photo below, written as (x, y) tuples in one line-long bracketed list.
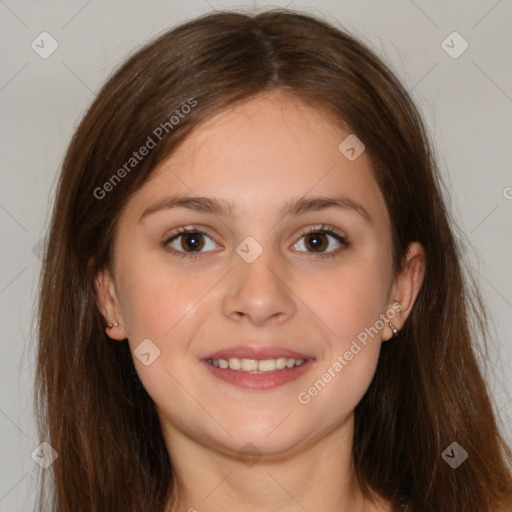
[(252, 297)]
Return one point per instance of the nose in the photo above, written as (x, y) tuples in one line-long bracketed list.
[(259, 293)]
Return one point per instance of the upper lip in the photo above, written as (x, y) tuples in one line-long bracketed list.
[(252, 352)]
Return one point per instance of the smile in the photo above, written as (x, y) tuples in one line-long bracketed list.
[(255, 366), (258, 375)]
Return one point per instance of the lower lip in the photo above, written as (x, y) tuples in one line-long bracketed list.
[(260, 381)]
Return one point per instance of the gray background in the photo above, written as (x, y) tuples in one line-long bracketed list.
[(466, 102)]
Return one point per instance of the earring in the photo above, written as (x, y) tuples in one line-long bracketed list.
[(394, 329), (109, 325)]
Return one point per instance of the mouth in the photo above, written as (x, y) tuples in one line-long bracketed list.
[(254, 366), (258, 374)]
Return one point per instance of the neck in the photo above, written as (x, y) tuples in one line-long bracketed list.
[(317, 477)]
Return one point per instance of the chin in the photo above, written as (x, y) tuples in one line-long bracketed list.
[(262, 442)]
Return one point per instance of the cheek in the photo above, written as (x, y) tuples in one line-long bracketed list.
[(350, 306), (348, 299), (157, 296), (164, 306), (340, 384), (349, 302)]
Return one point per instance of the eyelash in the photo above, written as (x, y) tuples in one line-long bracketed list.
[(325, 229)]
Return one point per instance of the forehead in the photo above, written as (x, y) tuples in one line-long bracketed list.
[(272, 123), (267, 150)]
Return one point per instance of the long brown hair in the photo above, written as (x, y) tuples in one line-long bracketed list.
[(428, 390)]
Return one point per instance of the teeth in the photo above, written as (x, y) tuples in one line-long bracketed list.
[(256, 366), (280, 363), (267, 365), (235, 363), (248, 365)]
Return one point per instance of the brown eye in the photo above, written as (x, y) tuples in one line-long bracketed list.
[(321, 239), (190, 242), (317, 242)]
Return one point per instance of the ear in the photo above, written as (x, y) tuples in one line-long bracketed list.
[(406, 286), (108, 304)]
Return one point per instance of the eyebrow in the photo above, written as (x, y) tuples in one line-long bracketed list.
[(223, 208)]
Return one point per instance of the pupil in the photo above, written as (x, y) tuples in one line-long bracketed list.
[(193, 241), (315, 240)]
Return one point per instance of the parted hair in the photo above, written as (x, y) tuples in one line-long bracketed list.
[(428, 390)]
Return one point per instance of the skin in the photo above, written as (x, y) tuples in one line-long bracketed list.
[(258, 155)]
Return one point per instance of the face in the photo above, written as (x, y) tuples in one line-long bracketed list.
[(287, 257)]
